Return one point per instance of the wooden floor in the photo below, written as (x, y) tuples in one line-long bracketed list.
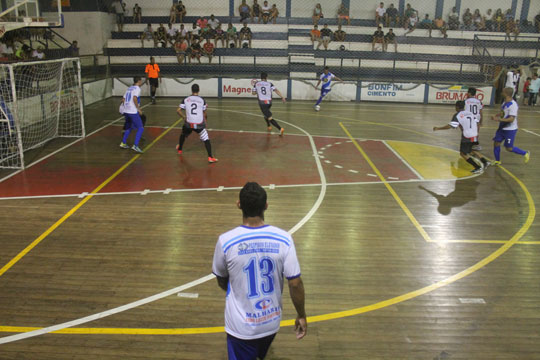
[(430, 263)]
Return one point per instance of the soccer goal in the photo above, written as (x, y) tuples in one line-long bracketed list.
[(39, 101)]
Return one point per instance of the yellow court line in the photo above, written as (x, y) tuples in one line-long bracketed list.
[(388, 186), (47, 232)]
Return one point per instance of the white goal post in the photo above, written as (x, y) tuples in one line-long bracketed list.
[(39, 101)]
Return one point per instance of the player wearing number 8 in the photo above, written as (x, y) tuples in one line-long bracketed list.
[(195, 120), (468, 123), (250, 262), (263, 89)]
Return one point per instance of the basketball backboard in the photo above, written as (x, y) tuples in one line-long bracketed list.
[(29, 13)]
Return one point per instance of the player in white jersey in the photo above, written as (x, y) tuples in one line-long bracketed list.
[(263, 89), (194, 117), (468, 123), (132, 113), (250, 262), (508, 127), (475, 106)]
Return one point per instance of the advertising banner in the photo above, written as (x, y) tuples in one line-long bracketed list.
[(176, 87), (242, 87), (393, 92), (445, 94)]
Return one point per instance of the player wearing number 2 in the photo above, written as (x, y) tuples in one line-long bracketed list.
[(250, 262), (475, 106), (468, 123), (263, 89), (195, 120)]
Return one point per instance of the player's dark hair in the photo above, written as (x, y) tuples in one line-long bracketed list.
[(264, 76), (195, 88), (252, 200), (472, 91), (326, 68), (136, 79), (460, 104)]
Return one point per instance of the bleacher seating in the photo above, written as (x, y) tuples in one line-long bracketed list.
[(276, 48)]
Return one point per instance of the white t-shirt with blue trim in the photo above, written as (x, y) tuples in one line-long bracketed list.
[(255, 260)]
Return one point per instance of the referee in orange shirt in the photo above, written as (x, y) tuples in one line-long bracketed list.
[(152, 76)]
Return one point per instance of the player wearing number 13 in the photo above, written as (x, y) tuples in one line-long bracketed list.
[(250, 262), (195, 120), (468, 123)]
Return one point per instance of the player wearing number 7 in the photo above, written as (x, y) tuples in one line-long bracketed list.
[(195, 120), (508, 126), (468, 123), (263, 89), (250, 263)]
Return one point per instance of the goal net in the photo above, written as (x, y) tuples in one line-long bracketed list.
[(39, 101)]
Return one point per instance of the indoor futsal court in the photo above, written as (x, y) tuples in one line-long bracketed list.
[(404, 254)]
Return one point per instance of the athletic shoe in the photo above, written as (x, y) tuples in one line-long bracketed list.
[(137, 149), (153, 101), (124, 145), (179, 152), (269, 128), (477, 171), (487, 164), (477, 147), (496, 162), (281, 132), (526, 157), (178, 149), (212, 159)]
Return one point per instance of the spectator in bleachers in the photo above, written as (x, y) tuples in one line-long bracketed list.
[(183, 33), (137, 14), (427, 23), (245, 11), (339, 35), (478, 21), (326, 37), (172, 34), (512, 28), (441, 25), (220, 35), (317, 14), (256, 11), (195, 51), (208, 50), (23, 53), (498, 19), (390, 38), (343, 14), (6, 49), (266, 10), (412, 22), (202, 22), (180, 11), (194, 34), (180, 47), (409, 11), (205, 33), (73, 49), (467, 19), (173, 14), (488, 20), (537, 22), (392, 14), (119, 9), (38, 54), (378, 38), (148, 33), (245, 34), (161, 35), (380, 14), (315, 34), (453, 19), (274, 13), (232, 35), (213, 22)]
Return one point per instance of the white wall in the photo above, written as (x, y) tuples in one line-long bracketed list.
[(534, 10), (90, 29)]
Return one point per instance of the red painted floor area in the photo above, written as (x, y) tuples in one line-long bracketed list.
[(267, 159)]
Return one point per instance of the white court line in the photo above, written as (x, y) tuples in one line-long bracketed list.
[(304, 220), (64, 147), (403, 161), (531, 132)]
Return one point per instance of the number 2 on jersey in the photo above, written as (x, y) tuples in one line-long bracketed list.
[(193, 109), (265, 270)]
